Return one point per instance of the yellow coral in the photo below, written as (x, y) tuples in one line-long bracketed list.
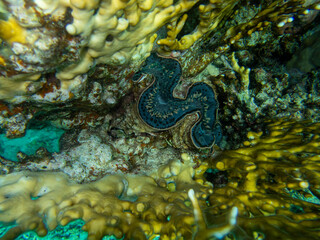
[(2, 61), (263, 172), (117, 32), (216, 12), (137, 207), (256, 202), (278, 12), (112, 32), (243, 72), (16, 85), (211, 15), (120, 31), (11, 31)]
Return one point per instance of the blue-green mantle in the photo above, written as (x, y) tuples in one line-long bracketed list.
[(159, 109)]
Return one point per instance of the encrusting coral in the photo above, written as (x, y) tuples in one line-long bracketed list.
[(70, 38), (134, 207), (81, 55), (96, 32), (72, 63), (11, 31), (269, 191)]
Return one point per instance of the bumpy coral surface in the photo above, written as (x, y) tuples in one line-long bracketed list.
[(70, 38), (81, 54), (136, 207), (266, 193), (137, 159)]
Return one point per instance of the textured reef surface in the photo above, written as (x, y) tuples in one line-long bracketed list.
[(171, 120)]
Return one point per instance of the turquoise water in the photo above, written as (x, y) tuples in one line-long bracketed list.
[(35, 138), (71, 231)]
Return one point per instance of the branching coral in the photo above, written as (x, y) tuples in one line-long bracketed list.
[(211, 16), (261, 175), (278, 12), (69, 38), (56, 51), (216, 12)]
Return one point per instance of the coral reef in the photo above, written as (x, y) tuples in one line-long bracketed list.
[(75, 55), (80, 56), (268, 184), (210, 16), (248, 96), (261, 176), (138, 207), (70, 38), (110, 111), (89, 154)]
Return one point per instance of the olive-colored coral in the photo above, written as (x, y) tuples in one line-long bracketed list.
[(58, 50), (136, 207), (215, 14), (176, 201), (278, 13), (211, 15), (70, 38), (263, 172), (96, 32)]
